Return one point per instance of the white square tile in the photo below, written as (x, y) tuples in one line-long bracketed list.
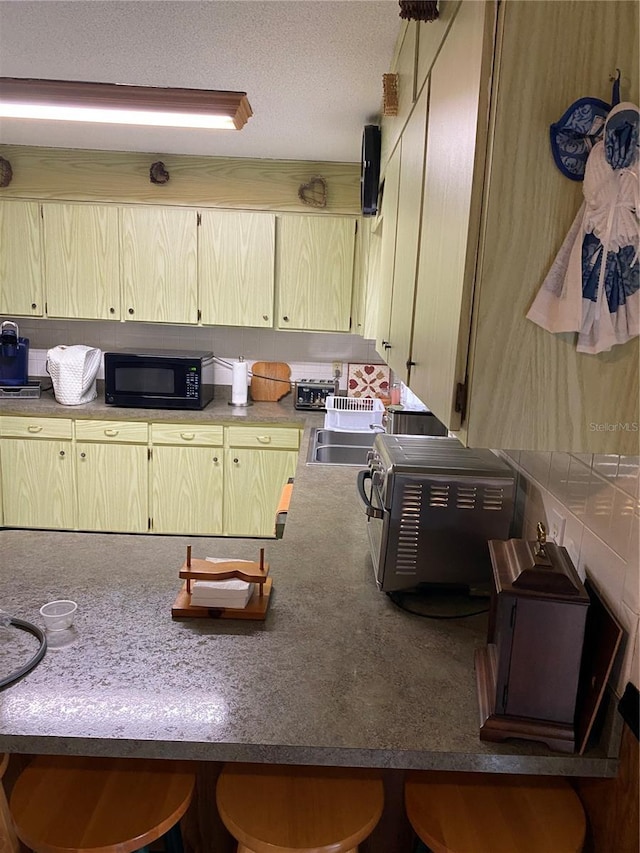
[(622, 514), (559, 475), (599, 507), (605, 567), (537, 465), (578, 487), (606, 464), (628, 478)]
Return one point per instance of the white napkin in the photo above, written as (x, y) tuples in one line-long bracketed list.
[(231, 592)]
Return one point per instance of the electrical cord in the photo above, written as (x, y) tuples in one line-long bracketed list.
[(39, 634), (397, 598), (249, 371)]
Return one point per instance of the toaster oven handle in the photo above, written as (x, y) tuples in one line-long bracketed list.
[(371, 510)]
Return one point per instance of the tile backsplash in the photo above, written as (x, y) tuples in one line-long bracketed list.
[(310, 354), (599, 498)]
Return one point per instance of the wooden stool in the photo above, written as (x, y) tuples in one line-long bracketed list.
[(488, 813), (62, 803), (275, 809)]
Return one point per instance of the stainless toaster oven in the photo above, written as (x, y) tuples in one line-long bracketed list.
[(431, 505)]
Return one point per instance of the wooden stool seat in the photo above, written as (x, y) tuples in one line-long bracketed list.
[(103, 805), (488, 813), (276, 809)]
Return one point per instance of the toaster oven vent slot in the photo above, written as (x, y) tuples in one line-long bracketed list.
[(466, 497), (493, 498), (439, 495), (409, 529)]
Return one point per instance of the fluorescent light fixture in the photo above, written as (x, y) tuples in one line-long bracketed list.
[(114, 103)]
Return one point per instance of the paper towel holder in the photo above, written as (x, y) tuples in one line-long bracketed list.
[(246, 402)]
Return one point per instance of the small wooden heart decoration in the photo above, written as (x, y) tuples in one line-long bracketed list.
[(314, 192)]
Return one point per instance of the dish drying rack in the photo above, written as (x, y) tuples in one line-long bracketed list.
[(256, 573), (353, 414)]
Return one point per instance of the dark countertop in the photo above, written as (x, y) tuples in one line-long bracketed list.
[(217, 411), (337, 674)]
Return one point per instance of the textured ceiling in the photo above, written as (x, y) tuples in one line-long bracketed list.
[(312, 69)]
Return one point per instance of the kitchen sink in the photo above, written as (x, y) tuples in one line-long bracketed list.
[(330, 447)]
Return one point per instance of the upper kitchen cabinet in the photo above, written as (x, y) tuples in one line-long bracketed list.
[(386, 231), (314, 272), (496, 211), (404, 67), (456, 142), (81, 261), (20, 259), (431, 35), (159, 249), (397, 349), (236, 268)]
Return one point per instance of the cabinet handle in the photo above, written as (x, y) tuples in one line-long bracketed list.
[(34, 428), (286, 319), (264, 439), (131, 311), (215, 458), (111, 432), (83, 456), (236, 460), (188, 436), (265, 316), (33, 305), (62, 453), (112, 310)]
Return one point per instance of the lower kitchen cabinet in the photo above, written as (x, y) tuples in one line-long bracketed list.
[(111, 476), (133, 477), (259, 460), (112, 487), (187, 489), (37, 473)]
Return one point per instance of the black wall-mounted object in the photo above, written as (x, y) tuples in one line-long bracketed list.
[(370, 169)]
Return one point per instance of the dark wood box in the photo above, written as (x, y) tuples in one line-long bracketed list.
[(527, 675)]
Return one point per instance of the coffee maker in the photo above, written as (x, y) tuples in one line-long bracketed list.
[(14, 356)]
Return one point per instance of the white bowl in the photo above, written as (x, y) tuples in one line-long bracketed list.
[(58, 615)]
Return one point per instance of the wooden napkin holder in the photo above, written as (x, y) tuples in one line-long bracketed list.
[(205, 570)]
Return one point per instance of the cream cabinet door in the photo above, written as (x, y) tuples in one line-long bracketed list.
[(314, 272), (81, 261), (38, 483), (112, 487), (387, 239), (20, 259), (236, 268), (159, 264), (187, 491), (253, 484), (398, 351), (450, 221)]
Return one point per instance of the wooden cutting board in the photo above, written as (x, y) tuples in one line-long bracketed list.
[(270, 381)]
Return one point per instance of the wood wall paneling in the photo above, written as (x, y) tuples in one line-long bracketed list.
[(554, 393), (123, 177)]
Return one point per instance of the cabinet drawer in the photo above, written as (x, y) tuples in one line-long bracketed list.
[(132, 432), (207, 435), (36, 427), (264, 436)]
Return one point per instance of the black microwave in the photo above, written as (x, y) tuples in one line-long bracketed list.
[(158, 379)]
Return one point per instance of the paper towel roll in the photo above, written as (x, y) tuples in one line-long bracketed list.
[(239, 384)]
